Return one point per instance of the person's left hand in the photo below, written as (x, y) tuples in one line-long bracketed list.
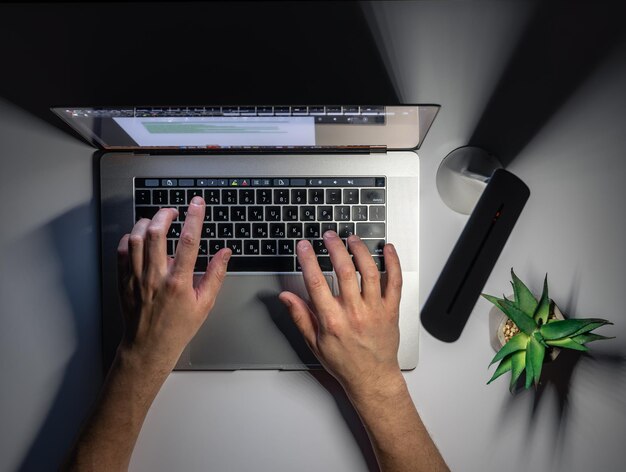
[(162, 307)]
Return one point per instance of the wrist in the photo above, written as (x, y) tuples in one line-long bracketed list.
[(379, 388)]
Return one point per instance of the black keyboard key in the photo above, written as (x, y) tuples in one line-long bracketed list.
[(145, 212), (177, 196), (319, 247), (325, 264), (229, 196), (298, 196), (255, 213), (268, 247), (277, 230), (359, 213), (325, 213), (290, 213), (375, 246), (259, 230), (272, 213), (215, 245), (170, 247), (203, 248), (380, 263), (159, 197), (377, 213), (307, 213), (243, 230), (212, 197), (261, 264), (370, 230), (246, 196), (236, 246), (237, 213), (194, 192), (201, 264), (312, 230), (328, 227), (350, 195), (333, 196), (143, 197), (285, 247), (182, 213), (281, 196), (220, 213), (225, 230), (251, 247), (264, 196), (174, 231), (316, 196), (345, 230), (209, 231), (373, 195), (294, 230), (342, 213)]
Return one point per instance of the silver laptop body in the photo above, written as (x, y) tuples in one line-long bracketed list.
[(248, 327)]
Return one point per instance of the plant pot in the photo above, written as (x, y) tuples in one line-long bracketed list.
[(498, 321)]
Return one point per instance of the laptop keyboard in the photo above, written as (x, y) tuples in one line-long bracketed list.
[(262, 219)]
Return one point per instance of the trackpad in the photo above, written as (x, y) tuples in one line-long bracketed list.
[(250, 328)]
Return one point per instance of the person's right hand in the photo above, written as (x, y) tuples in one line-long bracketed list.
[(354, 335)]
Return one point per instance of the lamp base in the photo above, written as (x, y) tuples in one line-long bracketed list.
[(463, 175)]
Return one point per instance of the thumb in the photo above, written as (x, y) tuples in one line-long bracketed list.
[(302, 316), (212, 280)]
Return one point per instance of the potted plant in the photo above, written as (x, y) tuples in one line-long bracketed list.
[(534, 331)]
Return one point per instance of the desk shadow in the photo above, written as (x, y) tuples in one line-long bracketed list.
[(280, 316), (76, 247), (562, 45)]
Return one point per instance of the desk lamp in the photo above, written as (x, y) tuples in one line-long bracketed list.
[(470, 180)]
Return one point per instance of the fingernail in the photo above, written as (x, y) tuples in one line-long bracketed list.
[(330, 234), (197, 200), (227, 257), (286, 301), (304, 244)]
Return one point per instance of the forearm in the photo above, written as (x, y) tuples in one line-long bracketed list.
[(399, 438), (108, 437)]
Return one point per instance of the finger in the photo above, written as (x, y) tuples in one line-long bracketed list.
[(302, 317), (136, 245), (314, 280), (189, 241), (370, 277), (156, 243), (393, 288), (343, 266), (123, 267), (212, 280)]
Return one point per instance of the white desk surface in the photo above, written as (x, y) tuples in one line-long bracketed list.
[(573, 228)]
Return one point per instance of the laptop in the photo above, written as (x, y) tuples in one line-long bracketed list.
[(270, 175)]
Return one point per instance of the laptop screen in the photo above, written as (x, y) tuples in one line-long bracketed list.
[(250, 128)]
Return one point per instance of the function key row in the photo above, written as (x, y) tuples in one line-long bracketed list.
[(179, 196), (262, 182)]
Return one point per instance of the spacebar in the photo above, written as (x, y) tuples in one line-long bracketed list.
[(261, 264)]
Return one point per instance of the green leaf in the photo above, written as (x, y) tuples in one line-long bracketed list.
[(588, 337), (516, 343), (524, 298), (543, 309), (567, 343), (523, 322), (536, 351), (571, 327), (518, 364), (529, 370), (595, 323), (495, 300), (503, 367)]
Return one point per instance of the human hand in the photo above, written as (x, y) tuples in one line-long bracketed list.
[(354, 335), (162, 307)]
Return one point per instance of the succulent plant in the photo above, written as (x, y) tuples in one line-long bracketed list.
[(537, 333)]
